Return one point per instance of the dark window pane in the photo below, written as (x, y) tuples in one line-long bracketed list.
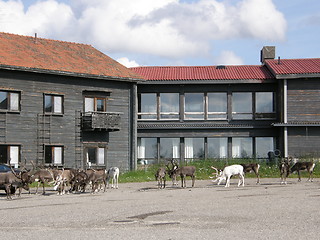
[(92, 155), (48, 154), (3, 100), (48, 103), (100, 105), (3, 154)]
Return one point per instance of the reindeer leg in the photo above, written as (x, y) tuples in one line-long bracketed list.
[(228, 182), (299, 180), (43, 189), (258, 177)]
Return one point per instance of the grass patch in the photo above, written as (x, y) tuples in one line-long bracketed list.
[(204, 171)]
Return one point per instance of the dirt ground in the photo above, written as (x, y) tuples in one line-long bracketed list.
[(142, 211)]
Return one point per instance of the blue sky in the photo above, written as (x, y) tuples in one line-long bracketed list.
[(173, 32)]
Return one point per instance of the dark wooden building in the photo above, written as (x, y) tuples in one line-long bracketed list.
[(203, 112), (65, 103)]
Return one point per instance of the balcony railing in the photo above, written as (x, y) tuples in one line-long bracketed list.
[(103, 121)]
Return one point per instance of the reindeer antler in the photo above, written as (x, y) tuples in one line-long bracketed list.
[(217, 171)]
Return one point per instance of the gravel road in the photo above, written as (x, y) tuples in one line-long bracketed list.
[(141, 211)]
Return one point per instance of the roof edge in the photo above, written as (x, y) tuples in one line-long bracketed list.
[(70, 74)]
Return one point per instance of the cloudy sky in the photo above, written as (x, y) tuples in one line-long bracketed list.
[(173, 32)]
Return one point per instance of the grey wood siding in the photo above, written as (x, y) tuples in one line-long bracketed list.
[(304, 100), (23, 128), (304, 142)]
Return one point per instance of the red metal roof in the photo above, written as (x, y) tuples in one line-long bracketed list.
[(38, 53), (204, 73), (294, 66)]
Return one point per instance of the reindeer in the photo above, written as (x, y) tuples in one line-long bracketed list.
[(12, 180), (252, 167), (80, 182), (113, 175), (284, 168), (161, 177), (183, 172), (228, 172), (97, 177), (64, 178), (299, 166), (44, 176)]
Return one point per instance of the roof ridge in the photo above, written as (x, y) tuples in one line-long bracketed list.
[(46, 39), (257, 65), (292, 59)]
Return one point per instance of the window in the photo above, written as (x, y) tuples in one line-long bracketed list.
[(265, 105), (217, 106), (147, 148), (9, 101), (242, 147), (194, 148), (263, 146), (53, 104), (242, 105), (95, 155), (169, 105), (9, 154), (148, 106), (169, 148), (217, 147), (264, 102), (54, 155), (194, 105), (95, 104)]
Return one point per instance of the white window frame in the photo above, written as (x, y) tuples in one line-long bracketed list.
[(56, 104)]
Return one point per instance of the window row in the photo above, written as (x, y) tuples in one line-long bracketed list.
[(53, 155), (206, 106), (204, 148), (52, 103)]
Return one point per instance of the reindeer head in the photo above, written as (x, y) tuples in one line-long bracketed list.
[(218, 174), (175, 166)]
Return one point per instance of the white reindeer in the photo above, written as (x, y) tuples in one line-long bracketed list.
[(228, 172), (113, 174)]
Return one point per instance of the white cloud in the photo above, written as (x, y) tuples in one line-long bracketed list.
[(128, 63), (48, 18), (166, 28), (228, 58)]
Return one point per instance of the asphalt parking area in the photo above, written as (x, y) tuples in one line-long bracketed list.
[(142, 211)]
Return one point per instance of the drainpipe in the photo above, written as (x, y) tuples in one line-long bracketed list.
[(134, 134), (285, 117)]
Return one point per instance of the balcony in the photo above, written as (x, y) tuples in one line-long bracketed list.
[(101, 121)]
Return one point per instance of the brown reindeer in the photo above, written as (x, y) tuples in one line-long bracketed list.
[(183, 172), (284, 168), (252, 167), (161, 177), (299, 166)]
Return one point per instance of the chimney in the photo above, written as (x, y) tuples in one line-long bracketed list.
[(267, 52)]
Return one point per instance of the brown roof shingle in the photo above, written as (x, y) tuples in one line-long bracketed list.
[(31, 53), (294, 66), (204, 73)]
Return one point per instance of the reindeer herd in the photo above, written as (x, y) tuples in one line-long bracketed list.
[(64, 180), (228, 172), (68, 180)]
